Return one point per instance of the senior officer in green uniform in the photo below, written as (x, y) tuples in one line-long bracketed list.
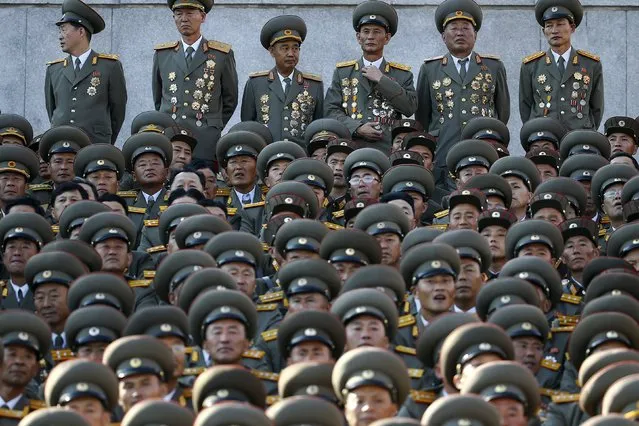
[(85, 89), (284, 98), (15, 129), (370, 95), (319, 177), (563, 83), (18, 166), (459, 409), (194, 79), (90, 329), (460, 85), (350, 249), (622, 133), (102, 165)]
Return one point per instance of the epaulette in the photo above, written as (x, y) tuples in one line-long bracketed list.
[(565, 397), (249, 206), (253, 354), (40, 187), (218, 45), (549, 392), (222, 192), (55, 229), (259, 74), (346, 63), (423, 397), (187, 393), (534, 56), (269, 335), (193, 371), (399, 66), (272, 399), (441, 213), (333, 226), (604, 219), (163, 208), (567, 329), (266, 307), (110, 56), (406, 320), (139, 283), (440, 226), (151, 223), (140, 210), (314, 77), (190, 349), (36, 404), (58, 355), (149, 275), (272, 297), (12, 414), (569, 298), (434, 58), (265, 247), (5, 290), (339, 213), (602, 232), (265, 375), (127, 194), (231, 211), (167, 45), (405, 349), (264, 189), (554, 366), (57, 61), (415, 331), (415, 373), (495, 57), (156, 249), (568, 319), (589, 55)]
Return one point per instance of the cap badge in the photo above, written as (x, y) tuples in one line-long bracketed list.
[(523, 275), (238, 148), (279, 154), (586, 147), (225, 309), (239, 253), (359, 205), (496, 214), (100, 296), (135, 362), (343, 143), (490, 132), (406, 156), (23, 336), (542, 153), (472, 158), (622, 123), (148, 148), (302, 282), (310, 332), (459, 13), (485, 346), (380, 225), (311, 177), (464, 422), (616, 292), (572, 225), (166, 328), (312, 390), (500, 388), (288, 200), (302, 240), (435, 264), (197, 234), (373, 17), (183, 132), (586, 173), (350, 251), (409, 184), (505, 299), (100, 162), (18, 229), (540, 133), (465, 192), (11, 164), (554, 9), (222, 393), (534, 237), (547, 196), (612, 334), (46, 274), (82, 387), (287, 219), (360, 309), (362, 163), (406, 123), (368, 374), (113, 231), (66, 144), (635, 241), (526, 326), (288, 32), (94, 331)]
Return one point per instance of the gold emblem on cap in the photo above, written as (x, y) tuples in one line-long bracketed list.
[(484, 346), (166, 328), (23, 336), (435, 264), (526, 326), (612, 334), (310, 332), (82, 387), (312, 390), (11, 164), (46, 274), (534, 237), (225, 309), (197, 234), (495, 214), (368, 374), (222, 393), (94, 331), (239, 253), (459, 13), (288, 32), (311, 177), (500, 388), (350, 251), (505, 299), (100, 162), (302, 281), (302, 240), (135, 362)]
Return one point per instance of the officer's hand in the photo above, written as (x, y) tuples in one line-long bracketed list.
[(372, 73), (370, 130)]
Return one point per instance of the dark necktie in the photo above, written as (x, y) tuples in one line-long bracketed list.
[(77, 66), (561, 64), (462, 69), (189, 55), (58, 342), (287, 86), (246, 199), (19, 295), (150, 202)]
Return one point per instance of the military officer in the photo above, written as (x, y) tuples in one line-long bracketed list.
[(462, 408), (201, 280), (623, 134), (523, 178), (88, 388), (18, 167), (382, 278), (316, 174), (546, 161), (563, 83), (581, 168), (416, 181), (194, 79), (584, 142), (222, 385), (498, 193), (469, 158), (548, 206), (622, 244), (194, 232), (183, 143), (465, 206), (364, 169), (102, 165), (350, 249), (151, 412), (90, 329), (233, 413), (491, 130), (305, 410), (309, 378), (174, 270), (493, 225), (15, 129), (284, 98), (274, 158), (541, 132), (322, 131), (101, 288), (505, 291), (370, 95), (75, 215), (605, 190), (47, 416), (353, 207), (86, 89), (460, 85), (336, 152), (580, 248), (401, 130)]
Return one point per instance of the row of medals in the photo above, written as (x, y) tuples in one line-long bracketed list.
[(579, 91), (301, 109), (206, 83), (476, 85), (349, 91)]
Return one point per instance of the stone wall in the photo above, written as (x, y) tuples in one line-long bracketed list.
[(29, 39)]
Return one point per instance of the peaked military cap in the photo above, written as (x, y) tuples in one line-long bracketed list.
[(396, 421), (602, 264), (549, 200), (469, 341), (367, 301), (19, 159), (380, 277), (282, 28), (496, 217), (203, 5), (626, 125), (470, 152), (450, 10), (96, 157), (77, 213), (584, 142), (609, 175), (304, 410), (370, 366), (505, 291), (159, 321), (486, 128), (375, 12), (520, 167), (536, 271), (162, 412), (176, 268), (383, 219), (369, 158), (549, 157), (541, 129), (579, 227), (235, 413), (613, 282), (54, 417), (613, 303), (238, 143), (103, 226), (83, 251), (597, 329), (469, 245), (28, 226), (291, 196), (609, 420), (181, 134), (576, 194), (631, 211), (311, 326), (409, 178), (101, 288), (95, 323), (235, 246), (274, 224), (491, 185), (403, 158), (345, 146), (35, 143), (199, 229), (310, 276), (145, 143), (457, 409), (630, 190), (598, 361), (406, 126), (78, 378), (16, 125), (202, 280), (174, 215), (467, 196), (533, 231), (621, 397), (135, 355), (325, 129), (255, 127), (311, 172), (427, 260), (432, 337), (420, 139), (522, 321), (623, 240), (355, 205), (581, 166), (307, 378), (228, 383), (593, 391), (300, 234), (350, 245), (418, 236), (55, 267), (151, 121), (281, 150), (23, 328), (557, 9), (78, 12), (508, 380), (62, 139)]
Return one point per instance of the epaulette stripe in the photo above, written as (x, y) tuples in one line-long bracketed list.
[(167, 45), (265, 375), (266, 307), (139, 283), (218, 45), (150, 223), (415, 373), (549, 392), (13, 414), (434, 58), (333, 226), (139, 210), (156, 249), (258, 204), (222, 192), (58, 355), (554, 366), (57, 61), (490, 57), (399, 66), (406, 320), (55, 229), (149, 274), (269, 335), (127, 194), (534, 56), (589, 55), (253, 354), (423, 397), (272, 297), (193, 371), (565, 397), (36, 404), (339, 213), (40, 187), (569, 298), (272, 399), (258, 74), (568, 329), (111, 56), (405, 349), (441, 213), (346, 63), (314, 77)]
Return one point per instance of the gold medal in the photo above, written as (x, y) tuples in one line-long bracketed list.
[(578, 76), (200, 83), (479, 77), (449, 93), (437, 84), (173, 88), (264, 99), (586, 79), (548, 88), (210, 64), (264, 109), (447, 81), (354, 81), (95, 81), (345, 82), (438, 97), (541, 79), (171, 76), (475, 85), (488, 77), (195, 106), (360, 116), (91, 91)]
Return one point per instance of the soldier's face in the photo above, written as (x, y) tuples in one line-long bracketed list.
[(275, 171), (420, 205), (115, 255), (19, 366), (426, 155), (578, 252), (529, 352), (612, 201), (179, 353), (149, 169), (225, 341), (391, 248), (367, 404), (241, 171), (186, 181), (365, 183), (105, 181), (549, 214), (12, 185), (436, 294), (546, 171), (319, 154), (210, 185), (182, 154), (336, 163), (11, 140), (50, 302), (188, 20), (621, 142), (345, 269), (398, 142), (541, 251), (495, 202), (407, 209), (70, 37), (142, 387), (61, 166), (511, 412), (92, 351), (467, 173), (244, 276), (545, 145), (372, 39), (521, 193), (286, 54), (309, 351), (469, 282), (307, 302), (459, 37), (496, 238), (622, 159), (558, 32), (366, 330), (17, 252), (463, 216), (91, 409)]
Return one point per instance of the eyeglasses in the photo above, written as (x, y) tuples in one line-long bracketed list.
[(367, 179), (612, 194)]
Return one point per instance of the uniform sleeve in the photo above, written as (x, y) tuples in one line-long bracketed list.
[(333, 105), (597, 97), (49, 96), (402, 95), (156, 83), (117, 99), (502, 95), (424, 104), (248, 111), (230, 92), (525, 93)]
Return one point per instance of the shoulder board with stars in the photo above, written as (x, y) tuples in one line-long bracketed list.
[(423, 397), (149, 274), (110, 56), (40, 187), (567, 329), (167, 45), (434, 58), (12, 414), (269, 335), (3, 286), (346, 64), (272, 297), (151, 223), (258, 74), (563, 398), (264, 189), (231, 211), (258, 204), (140, 210), (57, 61), (127, 194), (399, 66), (222, 192), (218, 45), (587, 54), (314, 77), (266, 375), (549, 392), (193, 371), (415, 373), (58, 355), (266, 307), (333, 226), (156, 249), (36, 404), (405, 350), (338, 214), (55, 229), (534, 56), (602, 232), (440, 214), (570, 298), (406, 320), (253, 354), (139, 283), (550, 365), (494, 57)]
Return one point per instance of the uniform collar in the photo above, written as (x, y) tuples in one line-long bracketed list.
[(195, 45), (83, 58), (566, 55)]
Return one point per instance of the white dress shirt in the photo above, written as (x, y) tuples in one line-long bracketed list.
[(472, 310), (154, 197), (83, 58), (64, 338), (169, 396), (251, 194), (11, 404), (195, 45), (282, 82), (456, 60), (566, 56), (377, 63), (24, 288)]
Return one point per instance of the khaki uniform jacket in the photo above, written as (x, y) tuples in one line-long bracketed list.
[(94, 99)]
